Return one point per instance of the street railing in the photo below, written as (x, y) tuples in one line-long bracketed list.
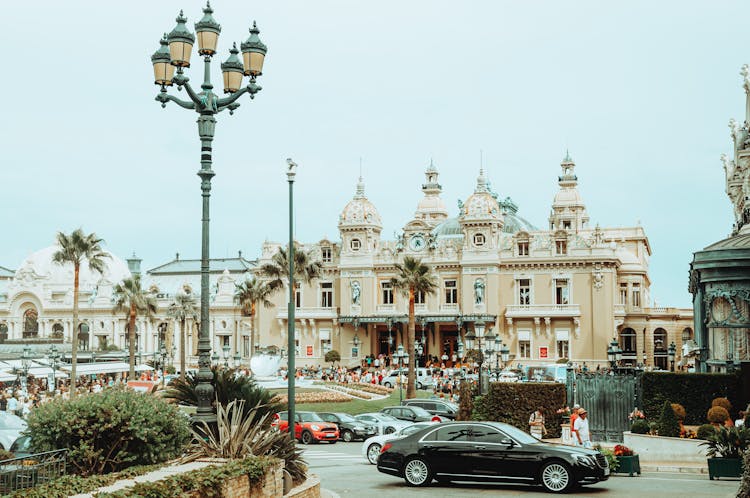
[(32, 470)]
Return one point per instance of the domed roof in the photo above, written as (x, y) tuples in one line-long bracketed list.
[(40, 265), (360, 211), (481, 204), (568, 197), (448, 229)]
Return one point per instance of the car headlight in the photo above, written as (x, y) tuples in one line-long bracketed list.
[(586, 460), (314, 427)]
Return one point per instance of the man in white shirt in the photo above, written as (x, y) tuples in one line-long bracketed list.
[(12, 405), (581, 427)]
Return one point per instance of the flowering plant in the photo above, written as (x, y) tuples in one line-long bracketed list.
[(636, 414), (688, 434), (622, 450), (565, 410)]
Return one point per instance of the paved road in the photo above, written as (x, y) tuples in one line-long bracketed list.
[(341, 469)]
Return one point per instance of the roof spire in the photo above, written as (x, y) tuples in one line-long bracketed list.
[(360, 193), (481, 182)]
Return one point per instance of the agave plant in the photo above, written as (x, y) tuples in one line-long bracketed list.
[(227, 387), (241, 432), (727, 442)]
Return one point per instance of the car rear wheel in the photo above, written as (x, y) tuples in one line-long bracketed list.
[(556, 477), (417, 472), (373, 451), (347, 436), (389, 430), (419, 385), (387, 384), (306, 438)]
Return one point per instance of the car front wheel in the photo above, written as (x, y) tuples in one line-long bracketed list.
[(306, 438), (373, 451), (417, 472), (387, 384), (556, 477), (347, 436)]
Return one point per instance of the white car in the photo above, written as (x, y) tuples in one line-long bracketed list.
[(383, 423), (371, 447), (11, 427)]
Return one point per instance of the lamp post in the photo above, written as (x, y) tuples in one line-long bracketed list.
[(163, 354), (291, 172), (174, 51), (402, 359), (498, 345), (215, 358), (478, 337), (671, 352), (52, 357), (25, 364), (225, 351), (612, 354), (389, 325), (505, 354), (237, 358)]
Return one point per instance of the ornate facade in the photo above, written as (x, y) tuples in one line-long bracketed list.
[(562, 292), (720, 273)]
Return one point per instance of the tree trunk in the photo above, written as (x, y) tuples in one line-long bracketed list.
[(131, 336), (411, 377), (74, 336), (252, 329), (182, 350)]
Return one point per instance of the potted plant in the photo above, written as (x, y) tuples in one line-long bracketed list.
[(628, 462), (724, 451)]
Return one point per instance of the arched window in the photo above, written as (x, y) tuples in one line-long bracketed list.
[(57, 331), (83, 336), (627, 340), (660, 348), (30, 323), (687, 335)]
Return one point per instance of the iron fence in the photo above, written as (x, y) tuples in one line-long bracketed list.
[(32, 470)]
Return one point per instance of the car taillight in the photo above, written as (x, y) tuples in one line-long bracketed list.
[(386, 447), (437, 419)]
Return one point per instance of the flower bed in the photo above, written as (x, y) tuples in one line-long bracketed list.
[(316, 397), (373, 388), (350, 391)]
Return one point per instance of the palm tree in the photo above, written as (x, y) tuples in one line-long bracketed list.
[(277, 270), (75, 249), (183, 307), (413, 277), (248, 294), (129, 297)]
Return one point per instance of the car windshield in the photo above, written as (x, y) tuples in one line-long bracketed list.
[(421, 412), (345, 417), (518, 435), (411, 429), (385, 417), (310, 417)]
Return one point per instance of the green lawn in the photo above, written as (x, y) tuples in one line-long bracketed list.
[(357, 406)]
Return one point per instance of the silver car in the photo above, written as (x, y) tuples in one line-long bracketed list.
[(11, 427), (383, 423)]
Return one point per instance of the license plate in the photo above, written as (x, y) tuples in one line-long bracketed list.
[(330, 435), (606, 471)]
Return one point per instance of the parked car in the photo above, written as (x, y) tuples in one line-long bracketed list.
[(309, 427), (445, 409), (424, 378), (411, 414), (489, 452), (21, 447), (384, 424), (371, 447), (349, 427), (11, 427)]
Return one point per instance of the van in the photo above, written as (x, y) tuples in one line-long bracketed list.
[(424, 378)]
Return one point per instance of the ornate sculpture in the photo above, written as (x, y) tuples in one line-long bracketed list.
[(479, 291), (356, 290), (598, 276)]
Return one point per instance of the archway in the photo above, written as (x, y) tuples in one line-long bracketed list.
[(30, 323), (83, 336), (660, 348)]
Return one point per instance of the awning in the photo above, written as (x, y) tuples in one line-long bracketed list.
[(104, 367)]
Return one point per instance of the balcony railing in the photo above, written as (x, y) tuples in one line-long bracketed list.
[(542, 310), (385, 309), (310, 312)]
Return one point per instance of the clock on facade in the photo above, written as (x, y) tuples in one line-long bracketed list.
[(416, 243)]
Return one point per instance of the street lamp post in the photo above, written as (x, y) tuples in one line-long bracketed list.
[(402, 359), (291, 172), (163, 354), (671, 352), (505, 354), (174, 51), (225, 350), (480, 337), (25, 364), (52, 357), (237, 358)]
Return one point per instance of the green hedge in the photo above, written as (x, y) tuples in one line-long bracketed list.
[(206, 481), (513, 403), (694, 391)]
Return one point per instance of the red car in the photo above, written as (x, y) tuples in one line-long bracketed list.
[(310, 428)]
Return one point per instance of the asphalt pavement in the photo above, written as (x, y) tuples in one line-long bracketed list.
[(344, 471)]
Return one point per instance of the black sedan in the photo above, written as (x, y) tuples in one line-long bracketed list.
[(411, 414), (349, 427), (489, 452)]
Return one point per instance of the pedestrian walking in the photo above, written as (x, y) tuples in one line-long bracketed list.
[(536, 424), (583, 436)]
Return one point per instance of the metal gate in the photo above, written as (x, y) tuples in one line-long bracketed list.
[(608, 398)]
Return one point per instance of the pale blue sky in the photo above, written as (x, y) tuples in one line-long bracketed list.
[(640, 92)]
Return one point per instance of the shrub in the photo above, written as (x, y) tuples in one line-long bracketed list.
[(332, 357), (612, 461), (465, 401), (717, 415), (705, 431), (694, 391), (512, 403), (171, 370), (745, 482), (722, 402), (679, 411), (668, 426), (640, 427), (109, 431), (727, 442)]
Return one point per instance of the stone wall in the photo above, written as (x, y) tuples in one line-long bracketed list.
[(665, 449)]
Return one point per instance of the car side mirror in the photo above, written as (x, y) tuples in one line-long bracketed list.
[(508, 442)]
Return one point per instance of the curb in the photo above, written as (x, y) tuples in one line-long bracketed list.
[(676, 469)]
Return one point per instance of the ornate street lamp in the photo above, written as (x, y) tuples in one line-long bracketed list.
[(402, 359), (389, 324), (291, 331), (237, 358), (225, 350), (505, 354), (25, 364), (215, 358), (671, 352), (207, 104), (612, 354), (52, 357)]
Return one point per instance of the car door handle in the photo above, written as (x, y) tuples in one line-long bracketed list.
[(428, 446), (480, 447)]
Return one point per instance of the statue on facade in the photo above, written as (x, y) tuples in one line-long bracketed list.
[(479, 291), (356, 290)]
